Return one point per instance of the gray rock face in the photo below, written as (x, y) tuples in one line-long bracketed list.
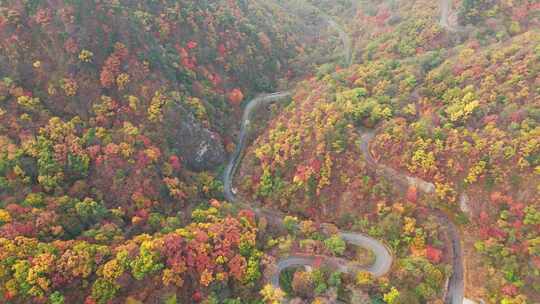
[(200, 148)]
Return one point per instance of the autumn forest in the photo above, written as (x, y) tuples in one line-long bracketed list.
[(270, 151)]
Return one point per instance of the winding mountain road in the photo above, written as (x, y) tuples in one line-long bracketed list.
[(455, 287), (383, 256), (445, 12), (343, 35), (234, 161), (345, 38), (382, 265), (445, 7)]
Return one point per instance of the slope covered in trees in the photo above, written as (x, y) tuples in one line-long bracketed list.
[(214, 250), (456, 108), (125, 102), (117, 118), (471, 105), (111, 115)]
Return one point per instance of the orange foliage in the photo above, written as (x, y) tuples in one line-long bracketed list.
[(412, 194), (433, 254), (235, 97)]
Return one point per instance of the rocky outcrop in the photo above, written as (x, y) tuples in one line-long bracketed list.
[(200, 148)]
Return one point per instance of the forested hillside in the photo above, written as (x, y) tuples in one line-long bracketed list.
[(398, 162), (115, 118), (455, 105), (127, 104)]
